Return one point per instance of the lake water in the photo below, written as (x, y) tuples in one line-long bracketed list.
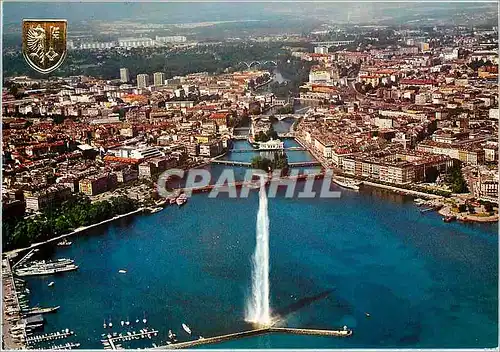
[(425, 283)]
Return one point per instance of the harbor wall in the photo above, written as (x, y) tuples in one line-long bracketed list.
[(238, 335)]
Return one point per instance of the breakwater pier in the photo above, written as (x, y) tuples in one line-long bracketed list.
[(268, 330)]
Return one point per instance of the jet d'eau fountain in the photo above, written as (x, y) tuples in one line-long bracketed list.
[(258, 310)]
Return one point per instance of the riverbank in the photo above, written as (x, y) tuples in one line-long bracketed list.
[(14, 252)]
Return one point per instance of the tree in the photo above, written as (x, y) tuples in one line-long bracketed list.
[(259, 162), (271, 133), (14, 89), (488, 207), (431, 174), (462, 208), (456, 181), (261, 137)]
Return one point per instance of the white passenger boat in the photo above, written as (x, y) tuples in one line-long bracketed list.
[(186, 328), (346, 183)]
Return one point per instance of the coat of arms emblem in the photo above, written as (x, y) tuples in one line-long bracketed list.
[(44, 44)]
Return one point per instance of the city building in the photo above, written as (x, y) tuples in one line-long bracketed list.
[(159, 79), (135, 42), (321, 50), (124, 75), (142, 80), (98, 184)]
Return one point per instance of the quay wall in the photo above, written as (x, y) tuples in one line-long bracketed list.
[(397, 189)]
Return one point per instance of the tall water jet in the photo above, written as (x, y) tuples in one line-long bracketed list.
[(258, 310)]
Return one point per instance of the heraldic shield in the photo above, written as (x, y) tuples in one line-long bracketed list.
[(44, 44)]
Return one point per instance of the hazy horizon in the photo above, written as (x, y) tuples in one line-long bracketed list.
[(182, 12)]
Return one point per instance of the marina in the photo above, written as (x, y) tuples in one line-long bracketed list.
[(50, 336), (46, 268), (113, 339)]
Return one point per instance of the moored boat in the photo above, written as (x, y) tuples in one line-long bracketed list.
[(351, 184), (155, 210), (181, 200)]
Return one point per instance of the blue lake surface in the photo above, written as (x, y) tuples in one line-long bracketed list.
[(424, 282)]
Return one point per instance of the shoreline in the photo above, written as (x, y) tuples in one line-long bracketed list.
[(446, 211), (401, 190), (75, 231)]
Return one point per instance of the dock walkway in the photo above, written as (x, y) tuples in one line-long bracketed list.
[(256, 332)]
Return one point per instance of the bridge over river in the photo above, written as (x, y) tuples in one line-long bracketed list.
[(258, 150), (244, 163), (250, 184)]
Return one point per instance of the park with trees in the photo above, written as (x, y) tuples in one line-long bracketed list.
[(75, 212)]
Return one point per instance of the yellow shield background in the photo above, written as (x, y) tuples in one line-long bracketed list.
[(44, 44)]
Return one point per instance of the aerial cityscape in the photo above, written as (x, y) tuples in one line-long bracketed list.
[(249, 175)]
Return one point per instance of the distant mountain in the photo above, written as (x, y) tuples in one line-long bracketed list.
[(170, 13)]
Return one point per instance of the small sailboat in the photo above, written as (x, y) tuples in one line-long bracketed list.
[(110, 324), (122, 323), (104, 325), (127, 322), (367, 315), (137, 320), (122, 271), (51, 284), (144, 320), (186, 328)]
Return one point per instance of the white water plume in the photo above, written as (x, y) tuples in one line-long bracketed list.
[(258, 310)]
